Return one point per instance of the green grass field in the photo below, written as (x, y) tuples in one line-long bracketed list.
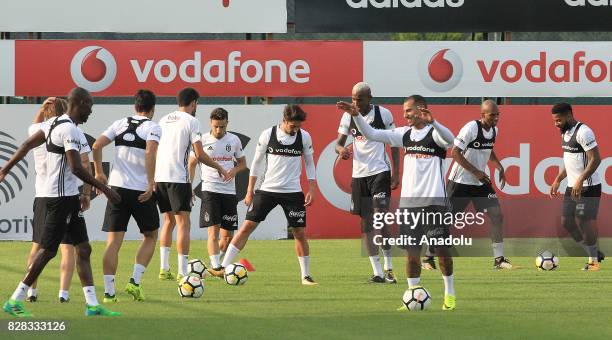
[(517, 304)]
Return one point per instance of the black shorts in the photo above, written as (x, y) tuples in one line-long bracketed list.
[(218, 208), (431, 224), (371, 192), (40, 211), (63, 221), (173, 197), (460, 195), (587, 206), (292, 204), (117, 216)]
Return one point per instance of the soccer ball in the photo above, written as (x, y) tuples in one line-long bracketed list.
[(235, 274), (197, 268), (547, 261), (416, 299), (191, 286)]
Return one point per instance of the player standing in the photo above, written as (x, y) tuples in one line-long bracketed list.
[(581, 200), (372, 178), (468, 181), (425, 142), (180, 133), (218, 211), (136, 139), (278, 158)]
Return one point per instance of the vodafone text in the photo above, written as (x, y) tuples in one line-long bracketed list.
[(222, 71)]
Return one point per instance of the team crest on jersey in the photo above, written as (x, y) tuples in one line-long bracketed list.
[(228, 147)]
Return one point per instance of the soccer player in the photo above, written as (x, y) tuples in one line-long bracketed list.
[(581, 200), (468, 182), (372, 178), (61, 198), (136, 139), (218, 211), (53, 107), (180, 132), (278, 157), (425, 142)]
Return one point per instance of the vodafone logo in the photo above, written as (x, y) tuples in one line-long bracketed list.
[(440, 70), (93, 68)]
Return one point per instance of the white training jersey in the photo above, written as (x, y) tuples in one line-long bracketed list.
[(224, 151), (283, 159), (179, 131), (476, 144), (575, 143), (129, 168), (58, 180), (369, 157)]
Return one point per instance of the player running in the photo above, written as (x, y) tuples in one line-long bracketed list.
[(278, 158), (468, 182), (425, 142), (581, 200), (180, 133), (372, 178), (218, 210), (61, 198), (136, 139)]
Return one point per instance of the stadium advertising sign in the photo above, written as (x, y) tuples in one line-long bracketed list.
[(531, 154), (181, 16), (475, 69), (307, 68), (215, 68), (451, 15)]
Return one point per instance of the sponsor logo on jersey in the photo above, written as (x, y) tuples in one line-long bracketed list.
[(420, 148), (484, 145), (229, 218), (285, 151), (301, 213), (380, 195), (569, 148)]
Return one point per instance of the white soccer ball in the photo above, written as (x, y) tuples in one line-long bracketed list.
[(546, 260), (197, 268), (416, 299), (235, 274), (191, 286)]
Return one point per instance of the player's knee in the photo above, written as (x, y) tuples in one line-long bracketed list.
[(83, 251), (46, 254), (298, 233), (150, 235)]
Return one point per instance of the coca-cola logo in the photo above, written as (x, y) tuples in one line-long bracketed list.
[(440, 70), (93, 68), (297, 213)]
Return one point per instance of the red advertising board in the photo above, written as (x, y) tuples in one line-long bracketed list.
[(214, 68), (528, 143)]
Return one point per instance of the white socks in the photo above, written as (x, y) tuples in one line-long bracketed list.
[(376, 267), (182, 264), (413, 281), (498, 249), (304, 265), (90, 296), (232, 251), (109, 284), (137, 273), (449, 285), (20, 292), (64, 294), (387, 255), (214, 260), (164, 258), (32, 292)]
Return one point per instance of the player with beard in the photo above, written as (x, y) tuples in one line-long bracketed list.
[(581, 200), (425, 143)]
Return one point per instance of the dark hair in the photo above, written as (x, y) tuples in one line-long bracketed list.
[(561, 108), (78, 95), (418, 100), (293, 113), (187, 96), (144, 101), (218, 114)]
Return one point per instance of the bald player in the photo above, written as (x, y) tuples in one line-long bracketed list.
[(468, 180)]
